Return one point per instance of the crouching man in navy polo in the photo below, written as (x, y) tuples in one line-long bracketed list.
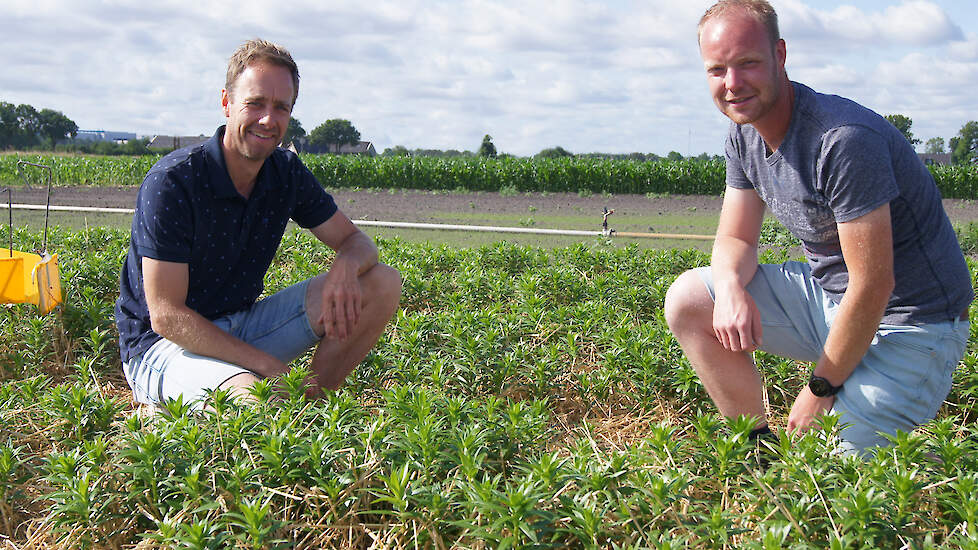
[(209, 219)]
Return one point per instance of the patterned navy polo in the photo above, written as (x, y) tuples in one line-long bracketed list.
[(188, 211)]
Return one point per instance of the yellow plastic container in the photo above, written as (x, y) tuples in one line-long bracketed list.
[(30, 279)]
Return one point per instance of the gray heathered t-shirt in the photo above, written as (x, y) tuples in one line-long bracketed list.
[(840, 161)]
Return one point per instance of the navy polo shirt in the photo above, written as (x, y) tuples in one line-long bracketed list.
[(188, 211)]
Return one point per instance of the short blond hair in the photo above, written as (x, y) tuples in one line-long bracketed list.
[(257, 50), (758, 10)]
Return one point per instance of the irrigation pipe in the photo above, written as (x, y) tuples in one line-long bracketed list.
[(413, 225), (70, 208)]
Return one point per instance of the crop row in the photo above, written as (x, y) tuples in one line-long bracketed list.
[(521, 397), (688, 176)]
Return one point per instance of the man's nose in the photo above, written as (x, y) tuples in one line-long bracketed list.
[(731, 79)]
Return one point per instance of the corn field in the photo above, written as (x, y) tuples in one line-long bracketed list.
[(687, 177)]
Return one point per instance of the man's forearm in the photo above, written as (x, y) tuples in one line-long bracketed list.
[(197, 334), (851, 334), (733, 261), (359, 251)]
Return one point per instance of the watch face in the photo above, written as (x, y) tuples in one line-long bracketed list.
[(821, 387)]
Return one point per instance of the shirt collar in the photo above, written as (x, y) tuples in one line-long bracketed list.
[(221, 183)]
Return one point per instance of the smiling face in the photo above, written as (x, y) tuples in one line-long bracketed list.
[(746, 75), (257, 110)]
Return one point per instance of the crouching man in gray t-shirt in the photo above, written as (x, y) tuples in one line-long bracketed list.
[(880, 307)]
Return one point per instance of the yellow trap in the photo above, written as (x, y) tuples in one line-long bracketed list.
[(27, 278)]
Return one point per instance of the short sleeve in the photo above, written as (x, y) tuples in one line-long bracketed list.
[(313, 204), (736, 175), (855, 172), (162, 227)]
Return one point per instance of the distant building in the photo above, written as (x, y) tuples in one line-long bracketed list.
[(175, 142), (942, 159), (104, 135), (366, 148)]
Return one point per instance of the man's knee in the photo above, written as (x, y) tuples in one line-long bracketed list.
[(382, 281), (239, 385), (381, 284), (685, 299)]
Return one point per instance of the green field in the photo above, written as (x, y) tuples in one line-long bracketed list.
[(522, 397), (574, 174)]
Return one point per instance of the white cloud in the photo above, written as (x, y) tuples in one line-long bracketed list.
[(613, 76), (925, 72), (965, 50), (914, 22), (918, 22), (830, 77)]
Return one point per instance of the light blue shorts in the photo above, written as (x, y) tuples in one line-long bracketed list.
[(277, 325), (900, 383)]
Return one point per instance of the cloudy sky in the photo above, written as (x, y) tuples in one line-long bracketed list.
[(615, 76)]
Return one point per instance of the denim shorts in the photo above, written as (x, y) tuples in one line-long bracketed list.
[(277, 325), (900, 383)]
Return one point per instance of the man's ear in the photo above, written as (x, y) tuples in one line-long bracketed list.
[(781, 52), (225, 99)]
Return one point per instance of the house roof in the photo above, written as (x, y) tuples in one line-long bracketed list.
[(175, 142), (935, 158), (358, 148)]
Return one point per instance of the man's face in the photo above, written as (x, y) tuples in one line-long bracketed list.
[(744, 74), (258, 110)]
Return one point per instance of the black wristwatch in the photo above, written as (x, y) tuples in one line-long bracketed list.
[(821, 387)]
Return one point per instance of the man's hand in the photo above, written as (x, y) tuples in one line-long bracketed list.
[(736, 319), (806, 407), (342, 295), (342, 301)]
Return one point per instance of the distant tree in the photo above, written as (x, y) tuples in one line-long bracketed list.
[(55, 126), (333, 133), (396, 151), (487, 149), (23, 126), (934, 146), (903, 123), (8, 124), (293, 132), (136, 147), (964, 147), (673, 155), (554, 152), (30, 124), (18, 125)]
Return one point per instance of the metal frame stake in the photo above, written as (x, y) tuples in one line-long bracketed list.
[(47, 209)]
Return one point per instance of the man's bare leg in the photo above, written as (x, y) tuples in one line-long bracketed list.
[(335, 359), (239, 386), (730, 377)]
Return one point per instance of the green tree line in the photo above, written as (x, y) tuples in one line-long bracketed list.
[(22, 126)]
